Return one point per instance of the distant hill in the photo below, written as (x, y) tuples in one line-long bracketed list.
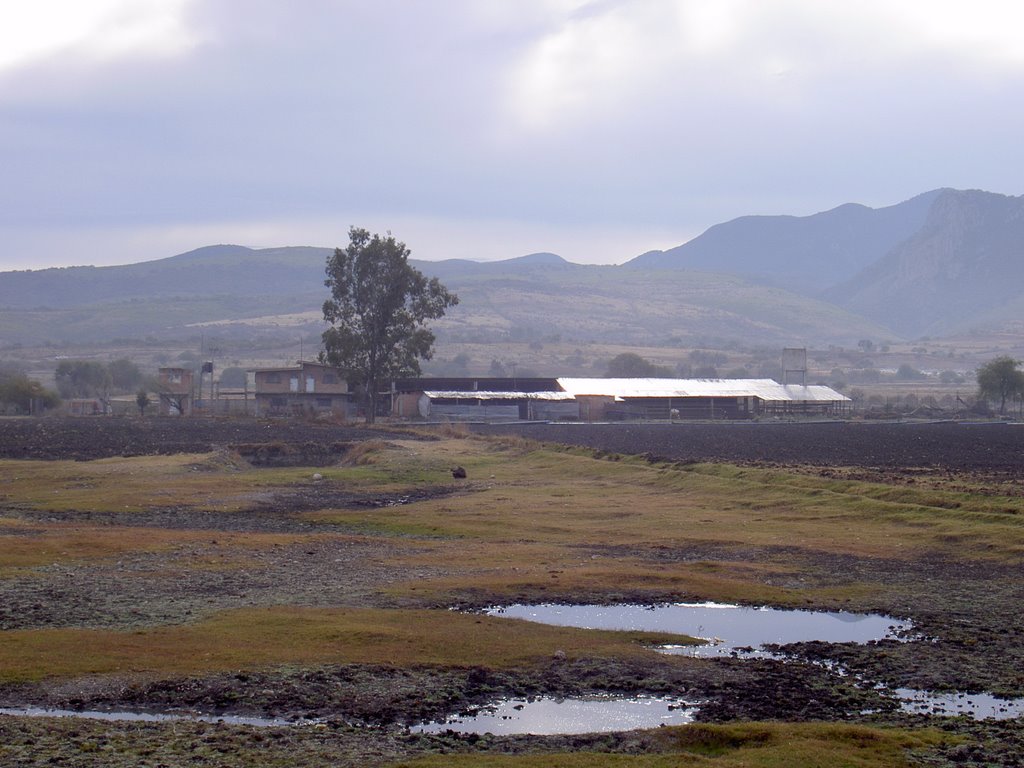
[(961, 268), (942, 262), (804, 253), (638, 306), (244, 292), (212, 271)]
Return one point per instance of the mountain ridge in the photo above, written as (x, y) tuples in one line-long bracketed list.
[(940, 262), (851, 236), (961, 266)]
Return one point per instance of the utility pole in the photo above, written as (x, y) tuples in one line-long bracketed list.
[(213, 352)]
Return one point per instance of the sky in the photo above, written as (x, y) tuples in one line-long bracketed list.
[(133, 130)]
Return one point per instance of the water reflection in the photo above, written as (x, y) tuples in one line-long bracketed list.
[(151, 717), (549, 716), (980, 706), (728, 629)]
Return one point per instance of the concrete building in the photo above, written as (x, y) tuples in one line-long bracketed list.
[(303, 389), (618, 399), (176, 391), (484, 399), (481, 399)]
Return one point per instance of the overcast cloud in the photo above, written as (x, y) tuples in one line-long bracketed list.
[(136, 129)]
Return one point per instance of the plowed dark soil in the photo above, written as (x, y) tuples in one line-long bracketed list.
[(998, 446), (96, 438)]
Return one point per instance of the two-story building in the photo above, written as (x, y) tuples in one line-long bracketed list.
[(176, 391), (306, 388)]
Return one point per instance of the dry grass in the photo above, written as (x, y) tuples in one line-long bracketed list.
[(125, 485), (745, 745), (23, 546), (541, 520), (363, 453), (528, 520), (248, 639), (538, 519)]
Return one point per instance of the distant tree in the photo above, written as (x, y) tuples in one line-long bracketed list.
[(233, 377), (1000, 379), (377, 313), (908, 373), (630, 365), (497, 369), (708, 357), (576, 359), (456, 366), (951, 377), (19, 392), (142, 400), (83, 378), (124, 375)]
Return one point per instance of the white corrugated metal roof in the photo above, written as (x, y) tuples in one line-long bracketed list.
[(764, 389), (476, 395)]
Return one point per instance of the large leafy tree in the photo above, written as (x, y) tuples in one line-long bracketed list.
[(124, 375), (21, 393), (83, 378), (1000, 379), (377, 313)]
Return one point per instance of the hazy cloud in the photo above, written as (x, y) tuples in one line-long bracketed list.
[(147, 127)]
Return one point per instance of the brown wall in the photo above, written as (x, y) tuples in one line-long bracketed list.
[(279, 381), (177, 381), (594, 407), (300, 403)]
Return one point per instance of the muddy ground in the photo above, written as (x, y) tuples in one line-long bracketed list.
[(969, 642)]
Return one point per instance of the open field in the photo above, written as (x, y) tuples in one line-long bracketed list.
[(169, 573)]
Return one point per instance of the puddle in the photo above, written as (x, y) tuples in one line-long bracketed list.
[(729, 629), (980, 706), (548, 716), (149, 717)]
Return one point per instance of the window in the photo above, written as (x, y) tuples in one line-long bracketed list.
[(330, 378), (323, 402), (272, 378), (278, 402), (293, 384)]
